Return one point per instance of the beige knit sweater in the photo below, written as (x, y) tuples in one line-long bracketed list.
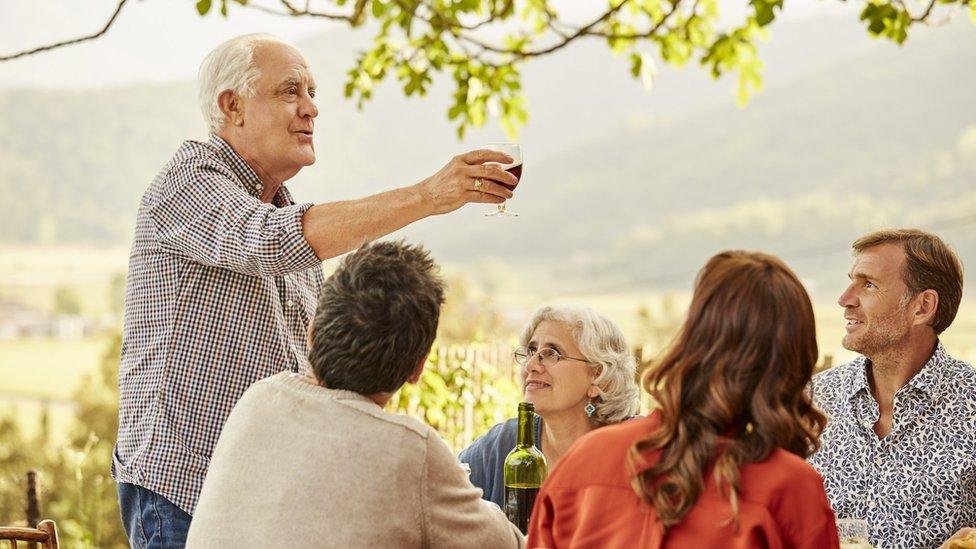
[(299, 465)]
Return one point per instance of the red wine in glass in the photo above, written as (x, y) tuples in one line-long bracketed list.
[(517, 172), (515, 168)]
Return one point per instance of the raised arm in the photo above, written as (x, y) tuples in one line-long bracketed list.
[(335, 228)]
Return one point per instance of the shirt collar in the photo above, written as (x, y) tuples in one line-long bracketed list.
[(928, 380), (249, 180)]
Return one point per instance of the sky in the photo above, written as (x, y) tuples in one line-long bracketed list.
[(165, 40)]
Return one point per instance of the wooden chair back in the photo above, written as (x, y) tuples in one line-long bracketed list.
[(46, 534)]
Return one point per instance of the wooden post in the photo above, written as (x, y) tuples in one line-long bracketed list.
[(33, 507)]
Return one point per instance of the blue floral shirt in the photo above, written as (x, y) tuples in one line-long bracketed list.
[(916, 486)]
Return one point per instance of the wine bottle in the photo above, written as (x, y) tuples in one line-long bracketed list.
[(525, 469)]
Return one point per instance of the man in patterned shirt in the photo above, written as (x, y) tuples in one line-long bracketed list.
[(899, 449), (225, 270)]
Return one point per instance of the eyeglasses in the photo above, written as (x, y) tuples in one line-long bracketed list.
[(548, 356)]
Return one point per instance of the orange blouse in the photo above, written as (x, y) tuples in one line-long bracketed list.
[(588, 501)]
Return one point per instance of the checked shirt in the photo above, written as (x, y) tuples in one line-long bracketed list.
[(220, 292)]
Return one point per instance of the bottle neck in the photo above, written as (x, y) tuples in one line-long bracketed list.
[(526, 428)]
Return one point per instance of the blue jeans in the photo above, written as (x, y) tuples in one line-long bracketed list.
[(151, 521)]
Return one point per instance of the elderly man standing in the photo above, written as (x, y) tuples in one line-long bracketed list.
[(899, 449), (225, 270)]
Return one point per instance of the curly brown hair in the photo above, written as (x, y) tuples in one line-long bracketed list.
[(731, 387)]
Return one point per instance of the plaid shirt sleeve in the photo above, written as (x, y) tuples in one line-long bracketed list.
[(204, 216)]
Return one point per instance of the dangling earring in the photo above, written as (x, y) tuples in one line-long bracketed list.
[(590, 409)]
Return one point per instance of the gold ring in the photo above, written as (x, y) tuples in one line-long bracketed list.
[(478, 184)]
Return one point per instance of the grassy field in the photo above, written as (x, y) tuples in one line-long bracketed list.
[(39, 373)]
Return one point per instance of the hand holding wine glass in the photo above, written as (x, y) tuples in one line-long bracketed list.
[(474, 176), (513, 150)]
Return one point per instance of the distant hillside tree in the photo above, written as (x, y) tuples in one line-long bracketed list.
[(481, 44)]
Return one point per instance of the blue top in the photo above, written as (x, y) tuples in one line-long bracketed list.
[(486, 457)]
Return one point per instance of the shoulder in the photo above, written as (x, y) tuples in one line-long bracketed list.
[(261, 392), (192, 162), (394, 423), (601, 456), (960, 372), (959, 380), (621, 434)]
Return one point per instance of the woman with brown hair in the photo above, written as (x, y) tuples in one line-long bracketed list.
[(720, 462)]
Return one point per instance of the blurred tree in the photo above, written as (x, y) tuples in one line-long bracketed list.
[(66, 301), (657, 326), (481, 44), (468, 315), (76, 489)]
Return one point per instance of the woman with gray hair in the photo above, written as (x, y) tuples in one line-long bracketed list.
[(578, 372)]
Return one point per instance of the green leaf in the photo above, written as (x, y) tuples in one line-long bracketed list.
[(223, 8), (636, 61), (765, 10), (203, 6)]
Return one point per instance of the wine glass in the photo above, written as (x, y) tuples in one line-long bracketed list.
[(515, 168), (853, 533)]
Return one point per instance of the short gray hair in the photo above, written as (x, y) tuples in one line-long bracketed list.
[(230, 66), (601, 341)]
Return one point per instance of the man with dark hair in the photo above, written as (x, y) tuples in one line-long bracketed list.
[(314, 461), (899, 449)]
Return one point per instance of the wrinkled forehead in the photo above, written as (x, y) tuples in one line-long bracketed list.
[(279, 63)]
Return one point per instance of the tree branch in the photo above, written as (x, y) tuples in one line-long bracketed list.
[(653, 30), (566, 39), (355, 18), (925, 14), (67, 42)]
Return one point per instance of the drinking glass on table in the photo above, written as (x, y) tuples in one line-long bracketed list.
[(515, 168), (853, 533)]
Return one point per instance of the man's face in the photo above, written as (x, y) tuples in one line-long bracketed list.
[(876, 303), (278, 120)]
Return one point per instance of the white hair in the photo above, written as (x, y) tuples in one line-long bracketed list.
[(230, 66), (601, 341)]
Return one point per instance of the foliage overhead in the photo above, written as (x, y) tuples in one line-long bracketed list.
[(482, 44)]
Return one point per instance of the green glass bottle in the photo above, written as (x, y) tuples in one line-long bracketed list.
[(525, 469)]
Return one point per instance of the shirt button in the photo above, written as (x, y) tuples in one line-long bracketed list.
[(289, 303), (871, 503), (258, 187), (878, 461)]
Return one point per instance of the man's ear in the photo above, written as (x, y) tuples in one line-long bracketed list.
[(232, 107), (926, 305), (415, 376)]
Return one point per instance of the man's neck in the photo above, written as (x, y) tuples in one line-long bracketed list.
[(269, 180), (379, 398), (895, 367), (560, 431)]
